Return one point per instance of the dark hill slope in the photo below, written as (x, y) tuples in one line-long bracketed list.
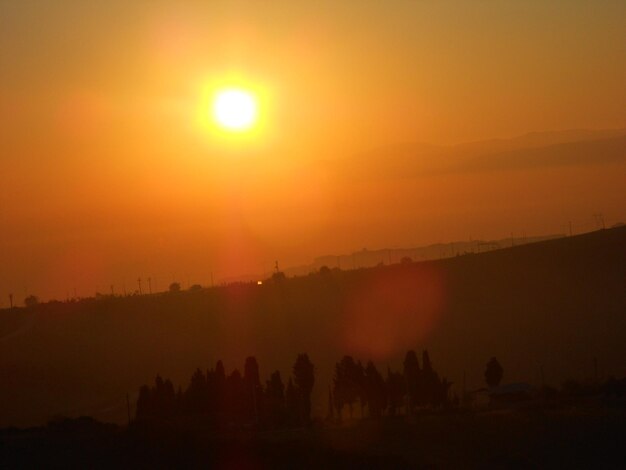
[(555, 304)]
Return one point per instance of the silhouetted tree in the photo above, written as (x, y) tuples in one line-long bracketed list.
[(253, 386), (396, 390), (165, 395), (31, 301), (174, 287), (304, 377), (220, 371), (346, 383), (441, 397), (430, 381), (359, 378), (275, 399), (292, 403), (158, 402), (493, 373), (196, 395), (375, 391), (143, 403), (236, 398), (217, 392), (179, 400), (251, 372), (412, 376), (195, 288)]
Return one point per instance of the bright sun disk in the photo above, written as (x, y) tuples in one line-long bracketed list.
[(235, 110)]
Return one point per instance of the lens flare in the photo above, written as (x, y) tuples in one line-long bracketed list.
[(394, 310)]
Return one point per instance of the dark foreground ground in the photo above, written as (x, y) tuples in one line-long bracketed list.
[(536, 438)]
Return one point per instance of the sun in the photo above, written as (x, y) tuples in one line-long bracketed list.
[(235, 109)]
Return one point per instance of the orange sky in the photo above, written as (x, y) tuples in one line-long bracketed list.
[(108, 175)]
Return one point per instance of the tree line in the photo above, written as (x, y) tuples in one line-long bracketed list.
[(233, 399), (237, 399), (414, 387)]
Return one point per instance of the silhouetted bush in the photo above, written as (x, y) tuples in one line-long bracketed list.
[(493, 373)]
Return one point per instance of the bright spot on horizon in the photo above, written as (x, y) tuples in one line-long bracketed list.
[(235, 109)]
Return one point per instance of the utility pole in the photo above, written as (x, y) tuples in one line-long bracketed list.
[(139, 283), (150, 285), (11, 300)]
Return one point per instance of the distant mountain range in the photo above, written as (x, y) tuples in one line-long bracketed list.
[(576, 147), (385, 256), (537, 149)]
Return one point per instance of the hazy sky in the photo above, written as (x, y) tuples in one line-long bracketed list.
[(108, 173)]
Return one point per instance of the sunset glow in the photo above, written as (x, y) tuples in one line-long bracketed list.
[(325, 234), (231, 135)]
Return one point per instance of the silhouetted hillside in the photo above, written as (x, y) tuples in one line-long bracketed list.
[(551, 306)]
